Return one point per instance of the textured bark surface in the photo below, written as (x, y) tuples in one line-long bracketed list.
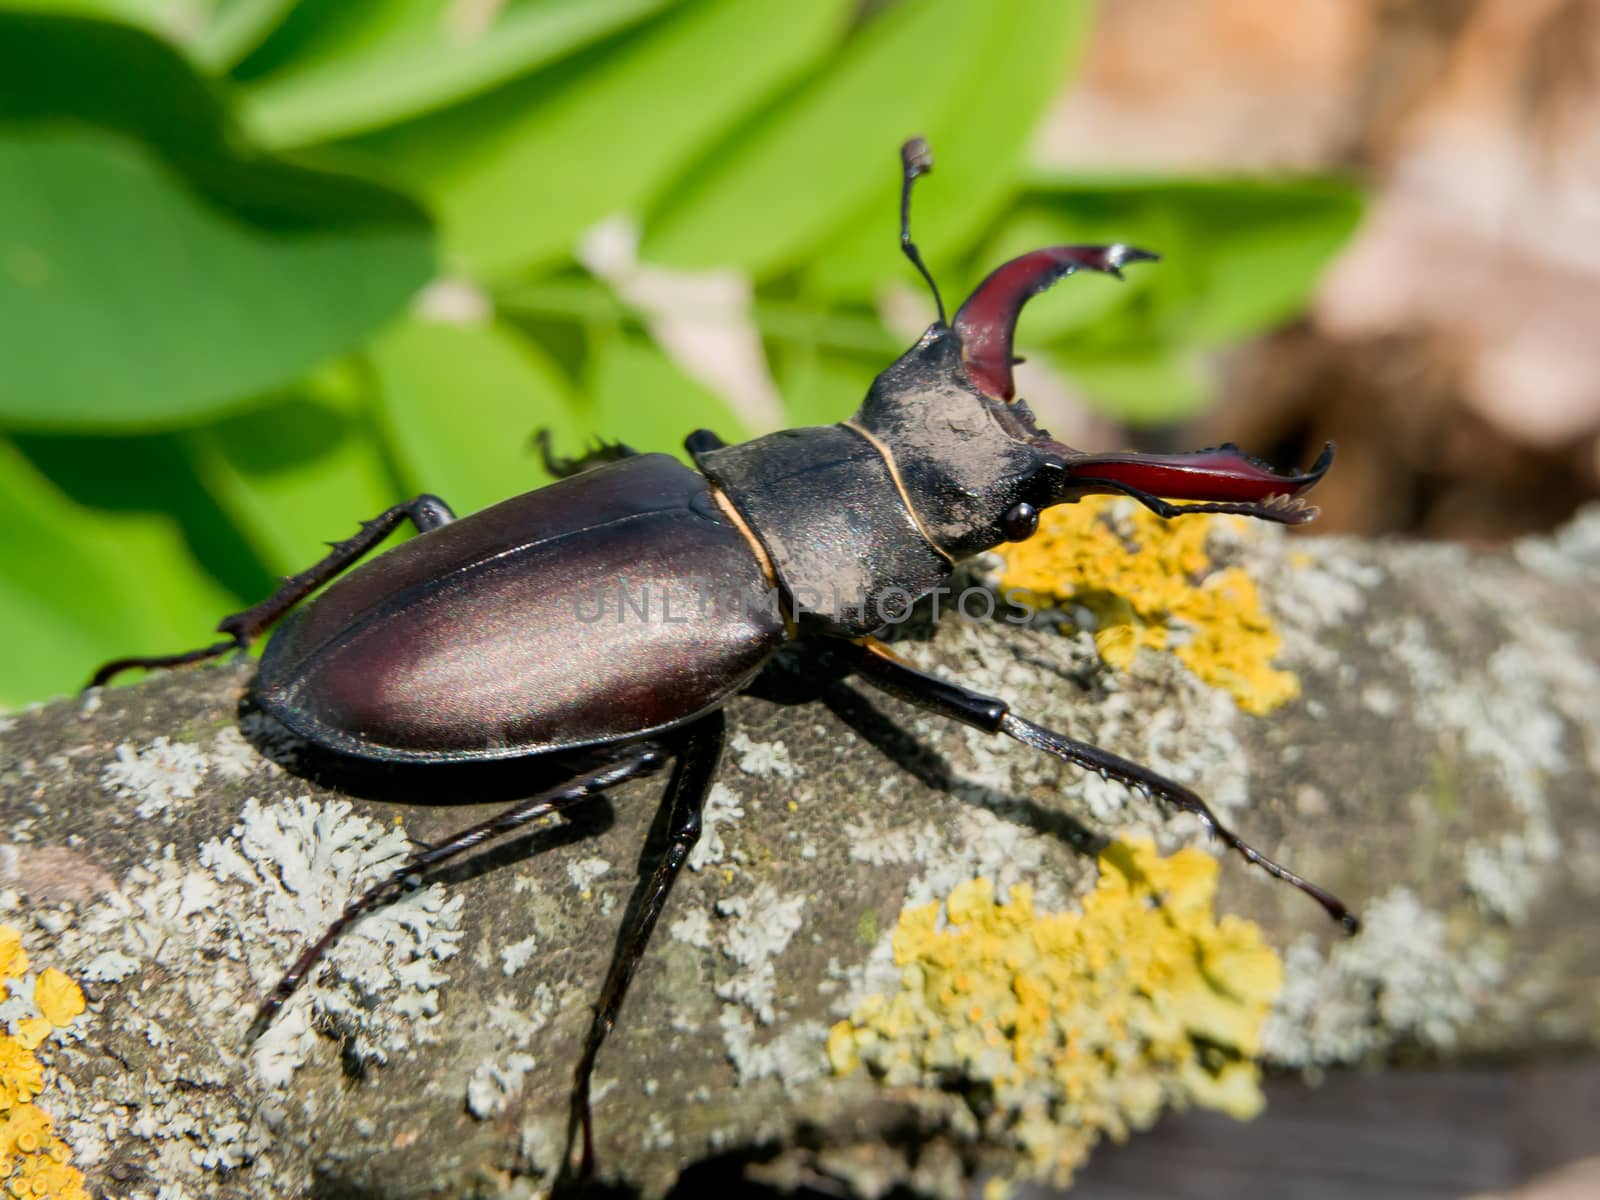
[(1439, 773)]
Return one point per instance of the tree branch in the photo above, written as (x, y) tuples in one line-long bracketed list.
[(1438, 773)]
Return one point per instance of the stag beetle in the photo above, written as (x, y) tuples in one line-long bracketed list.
[(469, 642)]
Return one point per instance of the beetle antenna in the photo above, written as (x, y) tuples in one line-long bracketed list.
[(915, 159)]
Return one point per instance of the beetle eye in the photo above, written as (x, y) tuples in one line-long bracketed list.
[(1021, 523)]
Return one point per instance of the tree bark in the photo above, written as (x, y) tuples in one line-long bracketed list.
[(1438, 772)]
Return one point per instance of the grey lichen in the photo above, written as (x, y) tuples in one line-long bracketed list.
[(111, 966), (178, 948), (757, 928), (585, 871), (494, 1085), (722, 806), (299, 863), (764, 759), (518, 954), (794, 1055), (1405, 979), (156, 776), (1571, 554)]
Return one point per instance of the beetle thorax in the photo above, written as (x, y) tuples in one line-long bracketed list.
[(962, 459)]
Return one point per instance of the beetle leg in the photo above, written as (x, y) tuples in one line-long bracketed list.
[(425, 512), (558, 467), (700, 442), (685, 798), (641, 759), (881, 667)]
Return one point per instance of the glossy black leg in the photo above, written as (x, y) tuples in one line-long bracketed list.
[(598, 455), (425, 512), (633, 762), (880, 666), (685, 798)]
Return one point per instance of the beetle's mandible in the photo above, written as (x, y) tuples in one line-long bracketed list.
[(471, 640)]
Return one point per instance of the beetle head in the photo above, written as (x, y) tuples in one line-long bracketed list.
[(969, 454)]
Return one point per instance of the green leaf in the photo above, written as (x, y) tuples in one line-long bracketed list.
[(129, 302), (125, 10), (771, 195), (151, 276), (461, 403), (235, 29), (1239, 255), (353, 67), (1266, 243), (1142, 385), (517, 175), (640, 397), (821, 388), (47, 653), (994, 97), (213, 33), (302, 471), (82, 586)]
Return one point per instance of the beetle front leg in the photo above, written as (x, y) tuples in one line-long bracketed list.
[(425, 512), (685, 799), (882, 668)]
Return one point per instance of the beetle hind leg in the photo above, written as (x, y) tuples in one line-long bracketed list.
[(881, 667), (684, 800), (425, 512), (639, 759)]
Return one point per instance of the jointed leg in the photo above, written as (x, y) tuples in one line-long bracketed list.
[(558, 467), (879, 665), (425, 512), (685, 798), (630, 764)]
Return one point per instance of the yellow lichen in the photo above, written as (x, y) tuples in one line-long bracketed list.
[(58, 998), (13, 958), (31, 1031), (33, 1161), (1061, 1027), (1150, 582), (21, 1076)]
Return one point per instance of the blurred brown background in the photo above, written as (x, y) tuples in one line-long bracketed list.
[(1451, 350)]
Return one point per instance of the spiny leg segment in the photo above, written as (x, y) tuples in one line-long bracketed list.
[(425, 512), (698, 753), (560, 467), (637, 760), (881, 667)]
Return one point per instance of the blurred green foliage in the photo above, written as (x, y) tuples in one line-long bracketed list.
[(216, 217)]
